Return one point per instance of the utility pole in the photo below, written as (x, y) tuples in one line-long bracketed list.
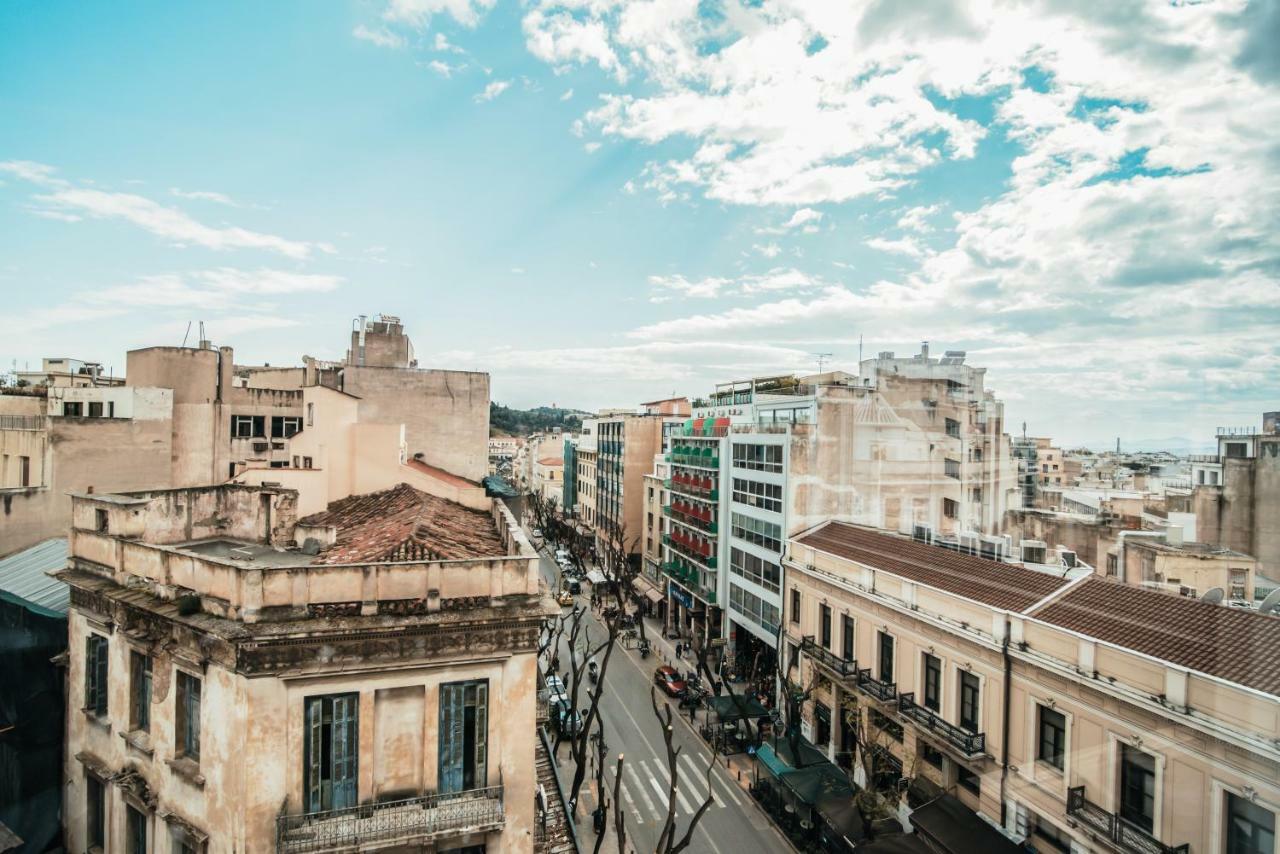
[(822, 360)]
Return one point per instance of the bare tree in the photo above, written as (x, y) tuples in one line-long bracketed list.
[(667, 840), (795, 691)]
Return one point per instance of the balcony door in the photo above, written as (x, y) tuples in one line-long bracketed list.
[(464, 736), (331, 750), (1137, 788)]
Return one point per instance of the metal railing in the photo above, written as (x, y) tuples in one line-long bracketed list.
[(21, 422), (839, 667), (880, 690), (401, 822), (1120, 833), (970, 744)]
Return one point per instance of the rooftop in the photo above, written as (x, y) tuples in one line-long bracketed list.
[(1188, 548), (999, 585), (23, 574), (403, 523), (1234, 644), (551, 461)]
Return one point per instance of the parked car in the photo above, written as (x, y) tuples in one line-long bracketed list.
[(555, 685), (562, 556), (669, 681), (568, 719), (574, 587)]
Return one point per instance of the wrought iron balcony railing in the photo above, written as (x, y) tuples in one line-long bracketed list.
[(840, 668), (407, 822), (969, 744), (884, 691), (1119, 833)]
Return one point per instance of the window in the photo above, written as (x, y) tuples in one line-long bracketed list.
[(101, 520), (95, 674), (311, 414), (464, 728), (826, 628), (757, 531), (187, 717), (95, 409), (284, 426), (248, 426), (977, 495), (886, 657), (95, 812), (306, 462), (766, 496), (969, 687), (951, 468), (139, 691), (822, 723), (24, 471), (846, 631), (795, 605), (931, 754), (886, 724), (1056, 839), (135, 832), (755, 569), (73, 410), (330, 751), (976, 455), (1137, 788), (1053, 737), (1251, 829), (758, 457), (953, 428), (753, 607), (932, 683), (969, 781), (950, 508)]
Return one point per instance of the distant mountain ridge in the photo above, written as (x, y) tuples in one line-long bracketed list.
[(505, 421)]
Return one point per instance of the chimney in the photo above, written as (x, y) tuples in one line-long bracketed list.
[(924, 351)]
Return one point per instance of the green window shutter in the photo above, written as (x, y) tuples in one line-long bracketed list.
[(313, 753), (346, 747)]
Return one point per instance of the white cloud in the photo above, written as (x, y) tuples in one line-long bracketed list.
[(418, 13), (443, 45), (204, 196), (560, 38), (805, 219), (917, 218), (382, 37), (70, 203), (221, 288), (568, 93), (493, 90), (768, 250), (444, 69), (777, 279), (591, 147), (902, 246)]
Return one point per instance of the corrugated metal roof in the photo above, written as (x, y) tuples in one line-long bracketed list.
[(23, 575)]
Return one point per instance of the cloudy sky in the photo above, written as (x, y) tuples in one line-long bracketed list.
[(600, 202)]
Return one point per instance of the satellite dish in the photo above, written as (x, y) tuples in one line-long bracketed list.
[(1271, 605), (1213, 596)]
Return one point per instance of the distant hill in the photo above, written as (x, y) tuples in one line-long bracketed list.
[(505, 421)]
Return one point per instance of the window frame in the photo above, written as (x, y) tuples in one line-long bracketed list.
[(885, 642), (848, 638), (1126, 784), (970, 695), (795, 606), (186, 726), (141, 676), (931, 666), (1057, 760), (97, 672), (824, 625)]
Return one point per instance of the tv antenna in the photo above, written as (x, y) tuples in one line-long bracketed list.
[(822, 359)]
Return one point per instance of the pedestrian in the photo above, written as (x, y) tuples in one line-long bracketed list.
[(677, 650)]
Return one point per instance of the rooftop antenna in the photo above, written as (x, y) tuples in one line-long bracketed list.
[(185, 334), (1213, 596), (822, 360), (859, 349)]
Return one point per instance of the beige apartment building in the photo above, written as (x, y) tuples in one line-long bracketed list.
[(244, 680), (1076, 714), (626, 445), (1239, 511), (1167, 563)]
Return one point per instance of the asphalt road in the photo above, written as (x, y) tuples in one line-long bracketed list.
[(732, 825)]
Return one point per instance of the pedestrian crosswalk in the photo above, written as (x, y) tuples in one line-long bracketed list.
[(646, 784)]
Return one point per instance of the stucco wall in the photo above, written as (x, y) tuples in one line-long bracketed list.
[(445, 413)]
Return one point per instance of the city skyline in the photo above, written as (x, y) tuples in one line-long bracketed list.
[(599, 205)]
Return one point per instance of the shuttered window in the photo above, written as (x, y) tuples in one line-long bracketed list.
[(95, 674), (330, 754), (464, 736)]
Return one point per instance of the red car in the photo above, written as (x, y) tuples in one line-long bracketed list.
[(668, 679)]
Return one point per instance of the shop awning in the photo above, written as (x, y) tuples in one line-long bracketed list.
[(730, 709), (809, 755), (595, 576), (816, 783), (897, 843), (951, 827), (654, 596), (772, 762)]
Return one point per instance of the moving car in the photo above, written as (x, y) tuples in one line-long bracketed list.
[(565, 598), (669, 680)]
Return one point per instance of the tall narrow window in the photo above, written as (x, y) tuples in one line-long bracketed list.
[(187, 736), (464, 736), (969, 701), (886, 657), (826, 627), (24, 471), (795, 605), (135, 830), (95, 674), (139, 691), (330, 751), (1137, 788), (1053, 737), (1251, 829), (846, 626), (932, 683), (95, 812)]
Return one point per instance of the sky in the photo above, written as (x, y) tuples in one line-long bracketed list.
[(603, 202)]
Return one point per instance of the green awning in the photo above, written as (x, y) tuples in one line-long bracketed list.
[(729, 709), (772, 762), (819, 782)]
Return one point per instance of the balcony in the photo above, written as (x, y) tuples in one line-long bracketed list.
[(697, 486), (686, 550), (1116, 831), (970, 745), (700, 519), (837, 666), (684, 456), (414, 821), (886, 692)]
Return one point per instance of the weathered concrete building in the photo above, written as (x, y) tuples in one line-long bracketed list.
[(244, 680), (1079, 715), (1241, 512)]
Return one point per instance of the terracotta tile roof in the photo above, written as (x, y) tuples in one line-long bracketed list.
[(440, 474), (402, 524), (551, 461), (1235, 644), (999, 585)]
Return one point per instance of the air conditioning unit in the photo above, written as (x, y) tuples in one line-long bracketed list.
[(992, 547), (1068, 558), (1033, 551), (922, 533), (969, 542)]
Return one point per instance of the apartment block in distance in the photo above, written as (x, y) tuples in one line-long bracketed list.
[(242, 680), (1075, 713)]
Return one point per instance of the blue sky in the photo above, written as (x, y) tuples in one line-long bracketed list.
[(603, 202)]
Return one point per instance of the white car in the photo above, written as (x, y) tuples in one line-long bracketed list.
[(562, 556)]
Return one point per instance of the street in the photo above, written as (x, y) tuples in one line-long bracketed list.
[(732, 825)]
